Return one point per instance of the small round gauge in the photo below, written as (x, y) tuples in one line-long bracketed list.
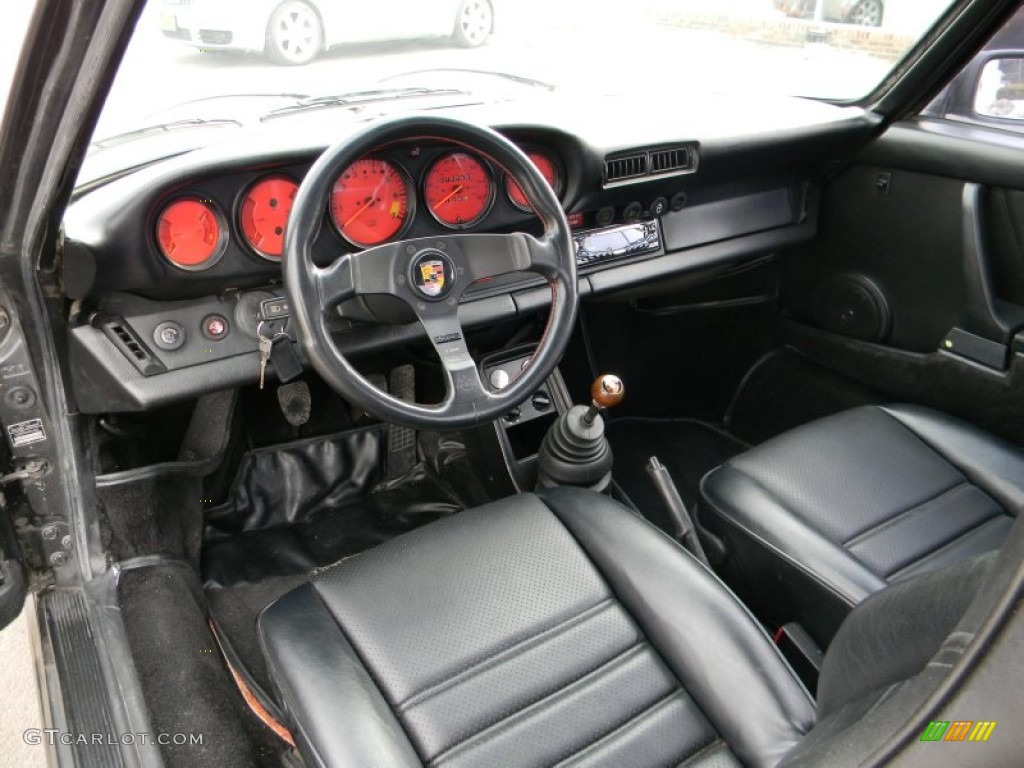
[(458, 190), (264, 213), (189, 234), (547, 169), (370, 201)]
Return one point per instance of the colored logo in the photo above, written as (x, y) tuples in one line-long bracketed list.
[(958, 730), (433, 274)]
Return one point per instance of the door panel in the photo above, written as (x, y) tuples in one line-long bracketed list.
[(915, 284)]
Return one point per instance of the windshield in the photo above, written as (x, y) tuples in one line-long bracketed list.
[(217, 64)]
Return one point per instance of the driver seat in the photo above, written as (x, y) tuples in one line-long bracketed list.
[(558, 629)]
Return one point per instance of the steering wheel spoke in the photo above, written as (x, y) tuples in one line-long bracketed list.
[(487, 255), (441, 322), (371, 272)]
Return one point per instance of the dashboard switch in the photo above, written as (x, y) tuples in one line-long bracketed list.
[(659, 206), (215, 327), (541, 400), (169, 335)]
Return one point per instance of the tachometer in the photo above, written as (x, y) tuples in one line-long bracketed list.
[(370, 201), (458, 190), (547, 169), (264, 213), (189, 234)]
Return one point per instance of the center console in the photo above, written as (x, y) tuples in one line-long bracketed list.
[(521, 431)]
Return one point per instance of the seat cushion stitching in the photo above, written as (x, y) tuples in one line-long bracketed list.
[(712, 746), (634, 720), (579, 682), (943, 547), (503, 655), (867, 532)]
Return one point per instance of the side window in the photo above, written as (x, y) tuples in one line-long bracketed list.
[(990, 90)]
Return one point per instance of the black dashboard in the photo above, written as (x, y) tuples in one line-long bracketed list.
[(172, 267)]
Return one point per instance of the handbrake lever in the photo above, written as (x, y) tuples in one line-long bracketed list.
[(685, 532)]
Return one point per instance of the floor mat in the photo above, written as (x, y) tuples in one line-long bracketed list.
[(329, 532), (688, 448), (310, 503)]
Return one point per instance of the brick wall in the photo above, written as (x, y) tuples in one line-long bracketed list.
[(889, 46)]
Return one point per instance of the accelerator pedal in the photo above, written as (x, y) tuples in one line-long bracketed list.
[(402, 440)]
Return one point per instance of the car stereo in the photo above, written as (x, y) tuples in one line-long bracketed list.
[(596, 246)]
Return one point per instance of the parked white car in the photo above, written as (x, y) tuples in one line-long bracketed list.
[(297, 31)]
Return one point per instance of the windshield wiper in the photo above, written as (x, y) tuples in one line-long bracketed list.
[(520, 79), (138, 133), (359, 98)]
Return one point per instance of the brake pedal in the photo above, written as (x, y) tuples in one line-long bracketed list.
[(361, 417), (402, 440)]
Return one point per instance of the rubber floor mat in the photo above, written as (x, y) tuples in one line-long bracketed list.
[(310, 503)]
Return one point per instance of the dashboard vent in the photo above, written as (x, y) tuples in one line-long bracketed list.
[(625, 167), (668, 160), (663, 161)]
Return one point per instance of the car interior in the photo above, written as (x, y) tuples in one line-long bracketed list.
[(693, 440)]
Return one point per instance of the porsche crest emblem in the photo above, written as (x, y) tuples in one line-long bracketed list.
[(433, 274)]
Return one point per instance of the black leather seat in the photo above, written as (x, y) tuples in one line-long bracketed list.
[(558, 629), (832, 511)]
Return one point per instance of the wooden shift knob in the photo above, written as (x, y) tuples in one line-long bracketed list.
[(607, 391)]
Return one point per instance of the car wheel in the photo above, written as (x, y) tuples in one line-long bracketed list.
[(867, 13), (473, 23), (294, 34)]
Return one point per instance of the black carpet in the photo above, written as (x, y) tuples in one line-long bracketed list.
[(235, 610), (786, 389), (689, 449), (184, 680)]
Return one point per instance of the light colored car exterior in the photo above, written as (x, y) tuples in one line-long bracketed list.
[(297, 31), (864, 12)]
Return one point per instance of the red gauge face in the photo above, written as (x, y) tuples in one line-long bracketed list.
[(264, 214), (370, 202), (547, 169), (189, 234), (458, 190)]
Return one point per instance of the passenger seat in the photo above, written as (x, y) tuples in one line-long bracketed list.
[(815, 520)]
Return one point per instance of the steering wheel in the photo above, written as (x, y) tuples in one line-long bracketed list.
[(430, 274)]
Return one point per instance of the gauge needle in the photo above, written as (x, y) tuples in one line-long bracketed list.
[(449, 196), (358, 213)]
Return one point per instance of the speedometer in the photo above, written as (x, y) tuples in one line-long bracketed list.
[(458, 190), (370, 201)]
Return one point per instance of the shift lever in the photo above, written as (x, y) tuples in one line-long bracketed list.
[(575, 451), (606, 392)]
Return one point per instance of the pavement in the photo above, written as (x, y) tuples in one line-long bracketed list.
[(19, 691), (19, 702)]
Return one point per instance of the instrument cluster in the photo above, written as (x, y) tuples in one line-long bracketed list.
[(377, 199)]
